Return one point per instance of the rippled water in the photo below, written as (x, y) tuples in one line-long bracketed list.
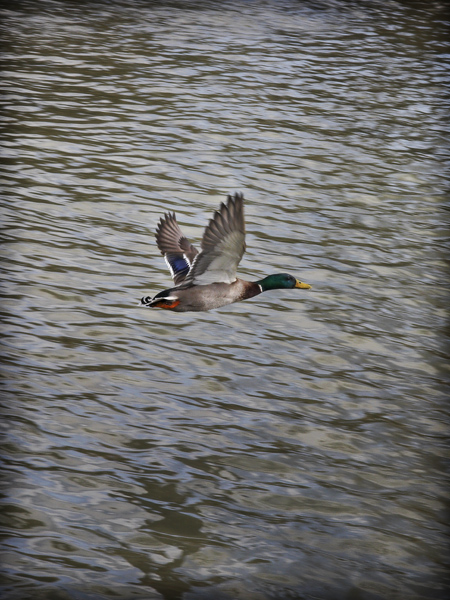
[(289, 447)]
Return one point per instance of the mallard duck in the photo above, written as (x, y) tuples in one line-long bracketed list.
[(207, 279)]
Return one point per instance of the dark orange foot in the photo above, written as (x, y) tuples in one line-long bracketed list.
[(166, 305)]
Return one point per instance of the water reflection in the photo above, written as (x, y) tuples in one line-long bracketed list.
[(285, 448)]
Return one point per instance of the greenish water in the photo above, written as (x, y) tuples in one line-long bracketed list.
[(290, 447)]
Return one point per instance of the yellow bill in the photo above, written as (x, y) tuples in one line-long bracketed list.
[(301, 285)]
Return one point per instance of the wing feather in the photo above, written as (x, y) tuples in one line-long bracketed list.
[(178, 252), (223, 245)]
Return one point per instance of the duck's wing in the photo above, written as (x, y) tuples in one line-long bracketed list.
[(178, 252), (223, 245)]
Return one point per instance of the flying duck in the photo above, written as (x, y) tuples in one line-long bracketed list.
[(207, 279)]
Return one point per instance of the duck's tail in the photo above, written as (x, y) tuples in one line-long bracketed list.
[(159, 301), (146, 301)]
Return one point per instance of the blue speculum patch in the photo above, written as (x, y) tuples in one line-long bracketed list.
[(178, 264)]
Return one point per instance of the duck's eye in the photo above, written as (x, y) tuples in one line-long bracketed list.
[(146, 299)]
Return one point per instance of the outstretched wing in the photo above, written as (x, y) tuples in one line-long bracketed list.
[(223, 245), (178, 252)]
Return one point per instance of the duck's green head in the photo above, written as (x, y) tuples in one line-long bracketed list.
[(281, 281)]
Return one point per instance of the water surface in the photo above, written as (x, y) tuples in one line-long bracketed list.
[(289, 447)]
